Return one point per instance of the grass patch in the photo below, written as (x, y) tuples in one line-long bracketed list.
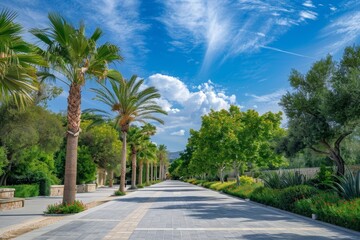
[(119, 193)]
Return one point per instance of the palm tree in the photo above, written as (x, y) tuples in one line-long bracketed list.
[(135, 139), (148, 153), (18, 61), (77, 58), (162, 155), (130, 105)]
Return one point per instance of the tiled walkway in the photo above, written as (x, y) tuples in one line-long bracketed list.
[(176, 210)]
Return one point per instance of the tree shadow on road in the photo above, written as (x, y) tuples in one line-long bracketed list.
[(287, 236)]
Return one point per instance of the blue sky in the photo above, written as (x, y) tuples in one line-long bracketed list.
[(204, 55)]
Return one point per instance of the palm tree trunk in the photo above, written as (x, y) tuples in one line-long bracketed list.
[(133, 170), (123, 163), (152, 171), (155, 172), (111, 178), (141, 167), (147, 172), (73, 118)]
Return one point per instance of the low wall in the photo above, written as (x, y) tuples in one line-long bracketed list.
[(13, 203), (90, 187), (56, 190), (7, 193)]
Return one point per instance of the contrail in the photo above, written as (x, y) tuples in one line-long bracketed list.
[(287, 52)]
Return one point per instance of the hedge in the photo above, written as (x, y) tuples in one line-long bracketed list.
[(25, 190)]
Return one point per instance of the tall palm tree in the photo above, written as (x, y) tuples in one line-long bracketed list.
[(135, 139), (146, 154), (18, 61), (77, 58), (130, 104), (162, 155)]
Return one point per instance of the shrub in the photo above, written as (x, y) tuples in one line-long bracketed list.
[(348, 186), (119, 193), (44, 186), (284, 179), (271, 179), (218, 186), (60, 208), (323, 179), (25, 190), (267, 196), (246, 180), (140, 186), (243, 191), (312, 205), (290, 195), (344, 213), (208, 184)]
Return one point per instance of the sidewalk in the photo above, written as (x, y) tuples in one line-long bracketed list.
[(35, 206)]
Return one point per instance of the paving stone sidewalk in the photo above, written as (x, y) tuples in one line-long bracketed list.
[(176, 210), (35, 206)]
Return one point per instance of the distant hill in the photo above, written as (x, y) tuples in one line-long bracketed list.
[(173, 155)]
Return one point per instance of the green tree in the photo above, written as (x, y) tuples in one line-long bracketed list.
[(18, 61), (34, 129), (86, 168), (76, 57), (324, 106), (103, 144), (130, 105)]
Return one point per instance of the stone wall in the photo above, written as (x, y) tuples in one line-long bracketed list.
[(8, 204), (7, 192), (56, 190), (90, 187)]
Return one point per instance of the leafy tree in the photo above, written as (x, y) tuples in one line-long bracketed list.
[(103, 144), (76, 57), (324, 106), (3, 160), (86, 168), (28, 135), (130, 105), (18, 61)]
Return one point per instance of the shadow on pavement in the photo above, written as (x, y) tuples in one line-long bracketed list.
[(287, 236)]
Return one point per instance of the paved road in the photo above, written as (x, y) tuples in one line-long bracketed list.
[(35, 207), (176, 210)]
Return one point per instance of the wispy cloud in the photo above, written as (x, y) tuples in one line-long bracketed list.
[(342, 32), (178, 133), (228, 28)]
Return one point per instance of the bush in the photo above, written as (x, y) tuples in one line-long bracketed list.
[(208, 184), (290, 195), (242, 191), (119, 193), (60, 208), (348, 186), (323, 179), (284, 179), (267, 196), (344, 213), (140, 186), (218, 186), (271, 180), (44, 185), (312, 205), (246, 180), (25, 190)]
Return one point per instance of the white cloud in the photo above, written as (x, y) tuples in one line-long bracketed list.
[(273, 97), (185, 105), (308, 15), (178, 133), (225, 29), (343, 31), (308, 3)]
